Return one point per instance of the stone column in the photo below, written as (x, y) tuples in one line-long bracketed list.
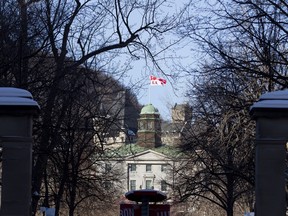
[(17, 108), (271, 115)]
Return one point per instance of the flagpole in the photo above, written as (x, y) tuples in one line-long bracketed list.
[(149, 93)]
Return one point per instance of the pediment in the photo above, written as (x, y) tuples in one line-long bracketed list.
[(148, 155)]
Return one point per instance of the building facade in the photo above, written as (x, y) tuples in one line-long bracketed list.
[(148, 170), (148, 163)]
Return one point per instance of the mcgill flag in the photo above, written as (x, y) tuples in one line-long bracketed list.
[(157, 81)]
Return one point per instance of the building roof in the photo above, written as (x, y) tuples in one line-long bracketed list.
[(133, 149), (149, 109)]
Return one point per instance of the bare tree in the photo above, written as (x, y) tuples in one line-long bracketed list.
[(74, 173), (70, 29), (51, 39), (220, 143), (243, 47), (249, 36)]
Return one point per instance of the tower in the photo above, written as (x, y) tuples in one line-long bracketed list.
[(149, 127), (181, 113)]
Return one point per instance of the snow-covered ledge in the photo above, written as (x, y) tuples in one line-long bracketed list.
[(15, 97)]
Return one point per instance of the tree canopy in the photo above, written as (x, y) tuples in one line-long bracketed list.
[(243, 49), (63, 52)]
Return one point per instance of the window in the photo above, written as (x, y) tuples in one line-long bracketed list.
[(108, 167), (163, 186), (148, 184), (132, 184), (148, 167), (150, 126), (140, 125), (108, 185), (163, 167), (132, 167)]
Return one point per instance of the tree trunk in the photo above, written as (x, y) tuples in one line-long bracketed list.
[(46, 144), (23, 48), (230, 182)]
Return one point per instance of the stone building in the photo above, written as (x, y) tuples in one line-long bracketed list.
[(148, 162), (173, 133)]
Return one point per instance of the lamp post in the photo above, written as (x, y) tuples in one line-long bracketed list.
[(145, 196)]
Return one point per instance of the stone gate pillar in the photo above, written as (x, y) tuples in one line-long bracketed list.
[(17, 108), (271, 115)]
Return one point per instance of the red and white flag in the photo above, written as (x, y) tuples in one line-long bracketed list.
[(157, 81)]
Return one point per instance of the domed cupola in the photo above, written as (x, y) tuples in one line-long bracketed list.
[(149, 109), (149, 127)]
